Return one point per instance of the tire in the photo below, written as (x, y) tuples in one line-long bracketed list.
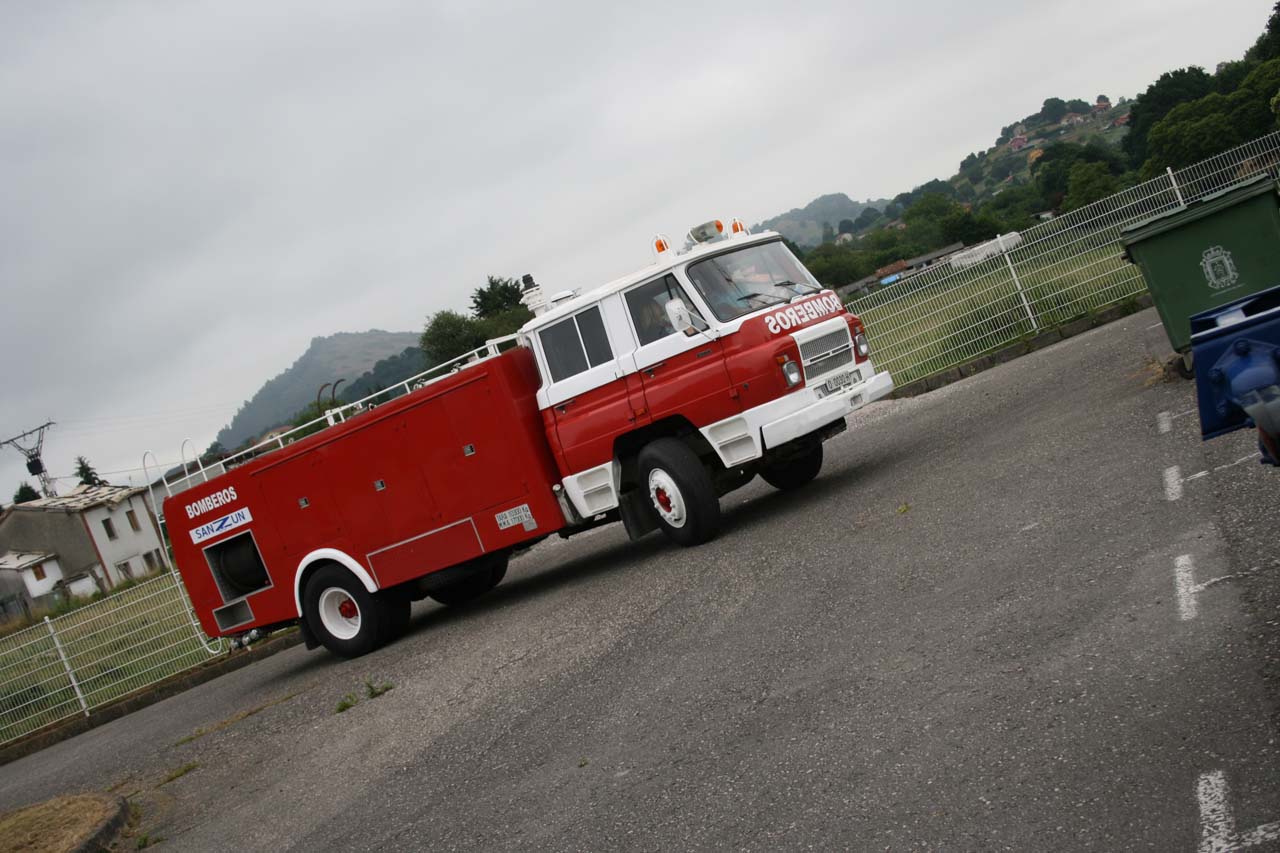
[(1185, 365), (795, 471), (679, 491), (344, 617), (489, 572)]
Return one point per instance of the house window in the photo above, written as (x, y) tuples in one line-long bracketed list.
[(150, 559), (575, 344), (124, 570), (110, 528), (133, 520), (38, 571)]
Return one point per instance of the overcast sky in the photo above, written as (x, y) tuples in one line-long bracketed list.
[(189, 192)]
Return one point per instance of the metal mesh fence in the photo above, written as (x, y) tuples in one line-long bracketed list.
[(990, 296), (72, 664)]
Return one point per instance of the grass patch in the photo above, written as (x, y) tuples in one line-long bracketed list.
[(233, 719), (54, 826), (145, 840), (373, 691), (179, 772)]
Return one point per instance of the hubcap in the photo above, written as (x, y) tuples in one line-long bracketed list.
[(666, 498), (339, 613)]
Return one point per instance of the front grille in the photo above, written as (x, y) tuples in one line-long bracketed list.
[(818, 347), (829, 363), (826, 353)]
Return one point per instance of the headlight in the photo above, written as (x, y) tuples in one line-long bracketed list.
[(791, 372), (860, 343)]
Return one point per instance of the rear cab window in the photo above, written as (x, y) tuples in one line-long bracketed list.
[(575, 344)]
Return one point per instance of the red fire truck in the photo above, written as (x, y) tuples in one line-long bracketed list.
[(642, 401)]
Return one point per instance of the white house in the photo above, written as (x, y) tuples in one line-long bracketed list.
[(109, 532), (42, 574)]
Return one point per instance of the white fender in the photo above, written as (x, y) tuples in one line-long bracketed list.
[(338, 557)]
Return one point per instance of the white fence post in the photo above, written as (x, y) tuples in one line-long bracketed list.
[(57, 644), (1177, 191), (1031, 315)]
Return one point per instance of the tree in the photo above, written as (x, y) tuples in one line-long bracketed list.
[(1089, 182), (1052, 110), (1076, 105), (448, 335), (845, 226), (828, 233), (1170, 89), (1207, 126), (498, 295), (1230, 75), (1268, 44), (1104, 100), (25, 493), (866, 219), (88, 476)]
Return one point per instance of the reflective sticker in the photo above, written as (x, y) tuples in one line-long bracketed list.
[(218, 526)]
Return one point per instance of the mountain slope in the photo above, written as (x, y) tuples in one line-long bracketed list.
[(345, 355), (803, 225)]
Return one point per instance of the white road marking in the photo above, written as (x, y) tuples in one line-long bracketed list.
[(1184, 575), (1217, 823), (1155, 325), (1184, 414), (1200, 475), (1172, 483), (1164, 421)]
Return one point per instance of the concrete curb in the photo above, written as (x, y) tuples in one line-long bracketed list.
[(1016, 350), (160, 691), (106, 833)]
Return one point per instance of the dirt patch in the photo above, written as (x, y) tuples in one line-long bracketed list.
[(56, 826)]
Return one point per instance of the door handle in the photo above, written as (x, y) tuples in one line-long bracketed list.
[(704, 353), (653, 367), (563, 407)]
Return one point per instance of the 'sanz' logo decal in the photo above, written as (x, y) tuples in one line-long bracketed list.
[(1219, 268), (218, 526), (801, 313)]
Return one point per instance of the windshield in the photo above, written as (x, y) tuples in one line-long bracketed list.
[(749, 279)]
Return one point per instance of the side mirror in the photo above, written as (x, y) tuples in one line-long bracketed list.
[(681, 320)]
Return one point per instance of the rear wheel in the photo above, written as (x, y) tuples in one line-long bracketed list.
[(341, 613), (794, 471), (680, 491), (488, 573)]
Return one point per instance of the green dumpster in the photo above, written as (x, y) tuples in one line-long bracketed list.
[(1213, 251)]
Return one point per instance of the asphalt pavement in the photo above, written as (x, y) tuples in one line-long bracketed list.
[(1028, 611)]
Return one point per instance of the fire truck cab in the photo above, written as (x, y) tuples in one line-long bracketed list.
[(665, 389)]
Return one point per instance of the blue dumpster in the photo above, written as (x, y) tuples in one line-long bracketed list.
[(1237, 360)]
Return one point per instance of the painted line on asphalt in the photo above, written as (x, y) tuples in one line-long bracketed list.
[(1172, 483), (1164, 421), (1184, 578), (1217, 823)]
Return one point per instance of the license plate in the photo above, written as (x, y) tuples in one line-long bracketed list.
[(840, 380), (516, 515)]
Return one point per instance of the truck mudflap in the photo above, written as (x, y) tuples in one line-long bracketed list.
[(744, 438)]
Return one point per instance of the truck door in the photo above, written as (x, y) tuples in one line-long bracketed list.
[(587, 393), (682, 374)]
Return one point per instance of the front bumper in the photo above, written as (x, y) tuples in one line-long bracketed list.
[(743, 438)]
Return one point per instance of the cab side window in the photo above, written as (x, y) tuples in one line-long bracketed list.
[(575, 344), (648, 307)]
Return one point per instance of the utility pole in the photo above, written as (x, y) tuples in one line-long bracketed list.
[(31, 444)]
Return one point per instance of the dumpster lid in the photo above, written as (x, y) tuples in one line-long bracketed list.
[(1198, 209)]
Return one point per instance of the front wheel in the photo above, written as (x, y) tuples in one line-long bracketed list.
[(341, 613), (795, 471), (680, 491)]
